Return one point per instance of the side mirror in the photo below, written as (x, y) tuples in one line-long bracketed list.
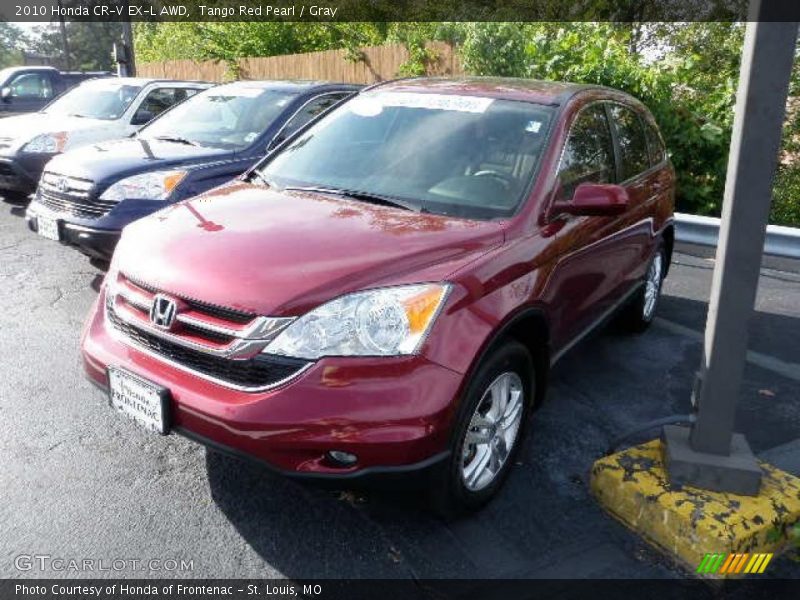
[(142, 117), (594, 199), (5, 94)]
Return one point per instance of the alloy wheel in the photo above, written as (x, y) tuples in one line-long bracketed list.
[(492, 431), (652, 287)]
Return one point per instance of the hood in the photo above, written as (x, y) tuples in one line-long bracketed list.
[(121, 158), (23, 128), (284, 253)]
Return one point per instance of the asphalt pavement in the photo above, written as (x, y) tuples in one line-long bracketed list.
[(77, 481)]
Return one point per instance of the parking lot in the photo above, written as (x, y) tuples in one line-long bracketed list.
[(77, 481)]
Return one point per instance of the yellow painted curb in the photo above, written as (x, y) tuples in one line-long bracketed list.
[(691, 523)]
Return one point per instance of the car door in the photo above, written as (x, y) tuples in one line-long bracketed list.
[(30, 92), (644, 181), (590, 265)]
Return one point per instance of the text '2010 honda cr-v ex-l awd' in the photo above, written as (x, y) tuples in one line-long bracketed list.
[(387, 291)]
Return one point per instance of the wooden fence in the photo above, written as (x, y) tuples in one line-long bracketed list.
[(378, 63)]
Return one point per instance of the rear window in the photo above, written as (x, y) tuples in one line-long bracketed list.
[(632, 142), (658, 153)]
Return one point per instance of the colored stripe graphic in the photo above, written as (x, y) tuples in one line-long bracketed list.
[(728, 564), (767, 558)]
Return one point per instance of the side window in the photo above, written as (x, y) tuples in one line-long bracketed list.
[(656, 147), (632, 142), (159, 100), (31, 85), (588, 155), (309, 111)]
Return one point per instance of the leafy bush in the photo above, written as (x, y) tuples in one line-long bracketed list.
[(786, 197)]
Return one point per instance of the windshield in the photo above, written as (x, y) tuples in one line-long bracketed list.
[(229, 116), (102, 99), (5, 74), (455, 155)]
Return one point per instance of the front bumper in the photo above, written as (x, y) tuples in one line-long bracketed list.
[(394, 414), (21, 174), (94, 242)]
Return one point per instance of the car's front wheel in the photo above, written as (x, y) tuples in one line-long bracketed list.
[(490, 428), (14, 197)]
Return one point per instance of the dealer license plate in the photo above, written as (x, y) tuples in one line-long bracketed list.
[(145, 402), (48, 228)]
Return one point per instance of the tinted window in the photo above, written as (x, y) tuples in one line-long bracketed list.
[(309, 111), (448, 154), (161, 99), (588, 155), (632, 143), (657, 151), (31, 85)]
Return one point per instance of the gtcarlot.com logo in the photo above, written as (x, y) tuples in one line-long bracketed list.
[(47, 562)]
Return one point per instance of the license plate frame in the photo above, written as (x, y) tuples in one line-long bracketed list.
[(156, 399)]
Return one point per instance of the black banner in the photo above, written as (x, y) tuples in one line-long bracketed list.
[(391, 10), (519, 589)]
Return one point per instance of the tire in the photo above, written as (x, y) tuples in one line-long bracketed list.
[(14, 197), (638, 315), (465, 485)]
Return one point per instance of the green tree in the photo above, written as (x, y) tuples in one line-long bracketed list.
[(90, 44), (12, 42)]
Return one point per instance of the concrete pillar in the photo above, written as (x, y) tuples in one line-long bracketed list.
[(709, 454)]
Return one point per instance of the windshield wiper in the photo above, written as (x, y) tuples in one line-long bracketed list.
[(363, 196), (258, 175), (177, 139)]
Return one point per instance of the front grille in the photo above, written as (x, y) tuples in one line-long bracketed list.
[(259, 372), (6, 170), (220, 312), (72, 195), (77, 207)]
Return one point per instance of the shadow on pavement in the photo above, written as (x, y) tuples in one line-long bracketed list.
[(544, 523), (769, 333)]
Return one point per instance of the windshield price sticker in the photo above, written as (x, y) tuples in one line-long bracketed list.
[(238, 92), (472, 104)]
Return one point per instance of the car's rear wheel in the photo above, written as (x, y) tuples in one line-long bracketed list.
[(639, 314), (490, 429)]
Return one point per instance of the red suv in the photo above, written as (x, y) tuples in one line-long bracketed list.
[(386, 292)]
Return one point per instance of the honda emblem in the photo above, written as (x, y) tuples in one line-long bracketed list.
[(163, 312)]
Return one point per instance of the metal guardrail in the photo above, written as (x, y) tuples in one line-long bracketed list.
[(704, 231)]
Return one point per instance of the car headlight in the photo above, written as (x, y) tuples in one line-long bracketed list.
[(156, 185), (47, 143), (381, 322)]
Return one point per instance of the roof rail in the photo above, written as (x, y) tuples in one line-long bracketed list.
[(378, 84)]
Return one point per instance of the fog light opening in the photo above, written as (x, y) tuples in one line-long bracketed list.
[(342, 459)]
